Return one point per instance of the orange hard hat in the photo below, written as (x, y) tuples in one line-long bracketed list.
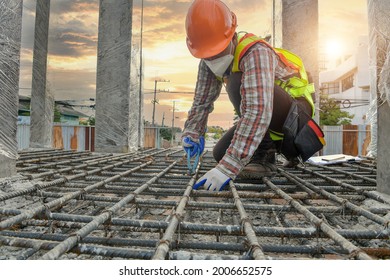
[(210, 27)]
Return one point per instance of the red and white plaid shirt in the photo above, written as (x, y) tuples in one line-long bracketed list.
[(260, 67)]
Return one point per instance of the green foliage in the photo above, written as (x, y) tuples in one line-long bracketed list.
[(57, 114), (331, 114), (215, 132), (26, 114), (166, 133), (90, 121)]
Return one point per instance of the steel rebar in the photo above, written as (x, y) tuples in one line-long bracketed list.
[(255, 247), (382, 221), (344, 243), (60, 201), (71, 241)]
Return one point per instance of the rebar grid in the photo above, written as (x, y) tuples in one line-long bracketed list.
[(71, 205)]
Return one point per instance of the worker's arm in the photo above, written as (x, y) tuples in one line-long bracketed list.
[(207, 91), (258, 67)]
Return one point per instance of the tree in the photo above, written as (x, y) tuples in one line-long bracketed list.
[(90, 121), (57, 114), (330, 112), (166, 133), (215, 132)]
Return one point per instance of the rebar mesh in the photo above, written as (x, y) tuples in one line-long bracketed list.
[(72, 205)]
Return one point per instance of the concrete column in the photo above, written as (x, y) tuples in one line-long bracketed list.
[(117, 100), (42, 101), (10, 41), (300, 35), (379, 33)]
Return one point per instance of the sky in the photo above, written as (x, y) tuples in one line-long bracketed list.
[(73, 47)]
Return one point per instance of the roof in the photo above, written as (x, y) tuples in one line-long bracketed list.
[(69, 111), (64, 107)]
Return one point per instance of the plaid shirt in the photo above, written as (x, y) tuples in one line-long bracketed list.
[(260, 67)]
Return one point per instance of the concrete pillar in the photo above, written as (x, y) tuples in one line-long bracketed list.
[(300, 35), (117, 99), (10, 41), (379, 33), (42, 101)]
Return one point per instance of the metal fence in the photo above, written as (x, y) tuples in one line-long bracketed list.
[(80, 138), (67, 137), (348, 139)]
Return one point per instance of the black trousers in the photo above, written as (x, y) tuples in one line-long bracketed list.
[(282, 103)]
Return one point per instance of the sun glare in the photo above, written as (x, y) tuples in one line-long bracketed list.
[(334, 48)]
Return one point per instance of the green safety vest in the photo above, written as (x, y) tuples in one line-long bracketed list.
[(295, 86)]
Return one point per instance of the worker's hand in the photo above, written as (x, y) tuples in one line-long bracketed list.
[(213, 180), (193, 146)]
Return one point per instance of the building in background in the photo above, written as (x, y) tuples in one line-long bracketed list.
[(347, 81), (68, 115)]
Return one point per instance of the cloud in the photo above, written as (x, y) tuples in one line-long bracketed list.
[(71, 43), (74, 28), (86, 6), (72, 84)]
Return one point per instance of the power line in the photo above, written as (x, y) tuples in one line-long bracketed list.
[(150, 91)]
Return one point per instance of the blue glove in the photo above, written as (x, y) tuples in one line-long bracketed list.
[(213, 180), (193, 147)]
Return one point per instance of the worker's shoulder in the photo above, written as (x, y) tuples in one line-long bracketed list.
[(261, 48)]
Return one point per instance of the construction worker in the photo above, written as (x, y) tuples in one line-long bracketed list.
[(248, 71)]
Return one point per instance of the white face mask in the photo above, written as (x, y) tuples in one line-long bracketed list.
[(219, 65)]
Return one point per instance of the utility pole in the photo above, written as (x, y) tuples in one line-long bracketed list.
[(173, 121), (163, 118), (154, 101)]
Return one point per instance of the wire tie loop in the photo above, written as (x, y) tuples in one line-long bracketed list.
[(354, 254), (39, 190), (38, 186), (178, 216), (249, 252), (343, 207), (245, 220), (110, 213), (83, 192), (163, 241), (77, 236), (47, 211)]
